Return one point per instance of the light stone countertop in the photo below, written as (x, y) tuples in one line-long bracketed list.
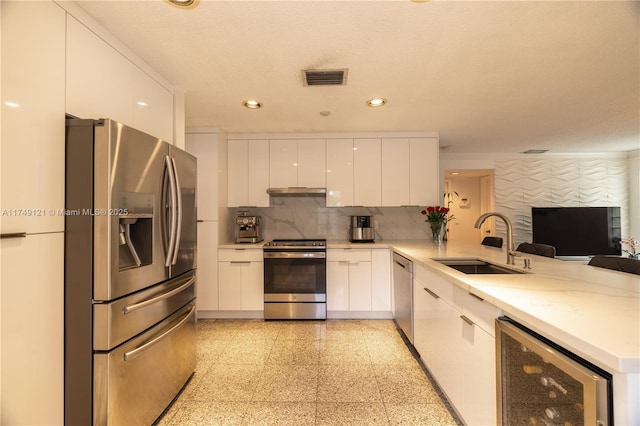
[(593, 312)]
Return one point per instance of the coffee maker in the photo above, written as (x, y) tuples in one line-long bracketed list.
[(361, 229), (248, 229)]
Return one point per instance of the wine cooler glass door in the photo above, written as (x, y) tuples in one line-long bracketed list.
[(542, 383)]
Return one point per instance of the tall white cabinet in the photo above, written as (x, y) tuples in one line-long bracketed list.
[(209, 145), (32, 188)]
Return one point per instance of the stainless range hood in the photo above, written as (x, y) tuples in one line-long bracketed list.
[(297, 191)]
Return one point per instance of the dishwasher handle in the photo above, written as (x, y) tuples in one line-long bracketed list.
[(403, 262)]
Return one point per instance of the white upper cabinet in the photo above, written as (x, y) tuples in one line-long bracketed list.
[(248, 173), (102, 83), (357, 171), (423, 172), (33, 81), (312, 163), (339, 172), (153, 107), (395, 172), (367, 172), (283, 163), (410, 172), (99, 78), (297, 163)]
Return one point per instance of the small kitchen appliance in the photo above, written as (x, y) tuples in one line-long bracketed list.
[(361, 229), (248, 229)]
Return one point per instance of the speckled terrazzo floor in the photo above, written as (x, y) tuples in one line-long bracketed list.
[(334, 372)]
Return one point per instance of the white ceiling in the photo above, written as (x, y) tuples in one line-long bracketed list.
[(502, 76)]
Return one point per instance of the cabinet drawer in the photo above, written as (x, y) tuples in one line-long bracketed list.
[(349, 255), (240, 255), (480, 312), (441, 287)]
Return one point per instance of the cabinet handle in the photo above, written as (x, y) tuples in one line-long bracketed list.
[(13, 235), (476, 296), (240, 261), (435, 296), (467, 320), (239, 249)]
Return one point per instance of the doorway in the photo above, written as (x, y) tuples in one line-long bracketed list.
[(471, 193)]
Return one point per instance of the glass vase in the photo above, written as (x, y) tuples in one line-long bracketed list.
[(437, 231)]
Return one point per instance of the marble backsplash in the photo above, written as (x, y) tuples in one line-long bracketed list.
[(308, 217)]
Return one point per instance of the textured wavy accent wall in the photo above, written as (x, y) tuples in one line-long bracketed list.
[(521, 184)]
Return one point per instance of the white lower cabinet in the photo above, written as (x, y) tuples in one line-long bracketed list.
[(32, 318), (349, 280), (452, 343), (359, 280), (240, 280)]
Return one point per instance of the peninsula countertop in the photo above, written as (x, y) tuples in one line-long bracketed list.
[(590, 311)]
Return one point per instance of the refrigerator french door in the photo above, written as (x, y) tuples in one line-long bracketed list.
[(541, 383), (130, 281)]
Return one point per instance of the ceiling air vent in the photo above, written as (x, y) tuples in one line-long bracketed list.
[(325, 77)]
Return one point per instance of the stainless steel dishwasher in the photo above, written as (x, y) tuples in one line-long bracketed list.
[(403, 294)]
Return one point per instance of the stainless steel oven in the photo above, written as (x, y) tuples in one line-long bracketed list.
[(295, 284), (542, 383)]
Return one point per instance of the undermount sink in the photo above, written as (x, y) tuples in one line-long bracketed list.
[(476, 266)]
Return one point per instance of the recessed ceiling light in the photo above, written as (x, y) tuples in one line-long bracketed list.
[(252, 104), (142, 104), (376, 102), (182, 3), (12, 104)]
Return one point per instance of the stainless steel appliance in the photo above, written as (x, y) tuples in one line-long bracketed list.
[(403, 294), (248, 229), (295, 284), (361, 229), (542, 383), (130, 283)]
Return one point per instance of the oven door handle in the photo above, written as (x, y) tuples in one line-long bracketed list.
[(294, 255)]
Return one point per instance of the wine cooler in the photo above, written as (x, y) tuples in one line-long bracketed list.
[(540, 383)]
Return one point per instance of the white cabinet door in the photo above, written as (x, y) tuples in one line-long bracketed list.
[(258, 181), (395, 172), (238, 173), (32, 318), (367, 174), (152, 107), (33, 91), (424, 172), (253, 287), (230, 285), (205, 147), (478, 384), (240, 280), (359, 286), (248, 173), (337, 285), (207, 264), (312, 162), (283, 163), (381, 280), (339, 172), (99, 79)]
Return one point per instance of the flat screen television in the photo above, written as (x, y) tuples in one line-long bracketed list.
[(578, 231)]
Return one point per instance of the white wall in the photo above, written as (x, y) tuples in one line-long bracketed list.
[(566, 180)]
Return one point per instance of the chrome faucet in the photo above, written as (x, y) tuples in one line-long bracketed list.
[(511, 254)]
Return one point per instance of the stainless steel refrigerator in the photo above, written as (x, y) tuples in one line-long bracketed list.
[(130, 281)]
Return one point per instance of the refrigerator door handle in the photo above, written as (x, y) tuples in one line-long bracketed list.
[(137, 351), (151, 301), (178, 209), (172, 204)]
